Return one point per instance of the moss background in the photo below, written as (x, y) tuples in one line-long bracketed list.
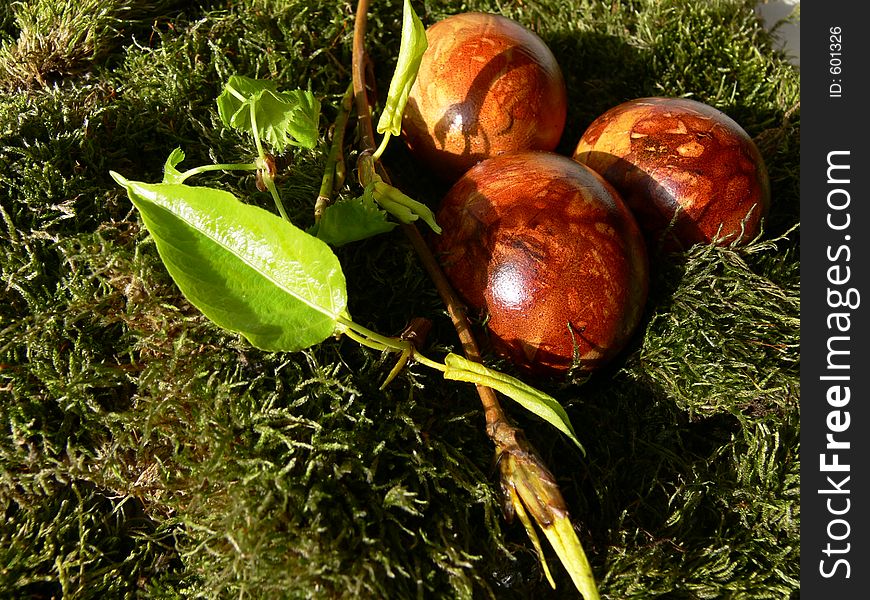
[(145, 453)]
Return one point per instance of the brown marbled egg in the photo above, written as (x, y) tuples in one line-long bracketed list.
[(689, 172), (549, 255), (486, 85)]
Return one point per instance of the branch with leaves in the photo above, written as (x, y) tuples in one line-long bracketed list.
[(526, 481), (254, 272)]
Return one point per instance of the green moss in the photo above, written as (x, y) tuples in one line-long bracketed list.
[(147, 453), (50, 40), (725, 338)]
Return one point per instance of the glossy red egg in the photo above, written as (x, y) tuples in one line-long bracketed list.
[(546, 251), (689, 172), (486, 85)]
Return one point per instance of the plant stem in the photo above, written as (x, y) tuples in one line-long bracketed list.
[(270, 185), (384, 342), (260, 154), (334, 173), (222, 167), (383, 146), (261, 164), (363, 110), (368, 343), (376, 341)]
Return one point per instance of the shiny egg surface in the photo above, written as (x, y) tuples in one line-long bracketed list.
[(545, 251)]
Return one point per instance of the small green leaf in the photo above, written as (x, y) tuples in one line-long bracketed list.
[(170, 173), (399, 211), (565, 542), (282, 118), (245, 268), (411, 50), (236, 93), (350, 221), (288, 118), (533, 400), (403, 207)]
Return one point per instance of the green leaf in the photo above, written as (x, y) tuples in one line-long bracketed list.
[(237, 91), (289, 118), (350, 221), (170, 173), (533, 400), (245, 268), (565, 542), (411, 50), (403, 207)]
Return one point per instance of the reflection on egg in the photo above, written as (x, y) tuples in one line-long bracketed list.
[(545, 251)]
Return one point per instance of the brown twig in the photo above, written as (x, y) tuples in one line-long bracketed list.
[(525, 479), (496, 420)]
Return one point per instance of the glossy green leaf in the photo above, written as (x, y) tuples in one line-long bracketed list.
[(533, 400), (350, 221), (282, 118), (411, 50), (245, 268)]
